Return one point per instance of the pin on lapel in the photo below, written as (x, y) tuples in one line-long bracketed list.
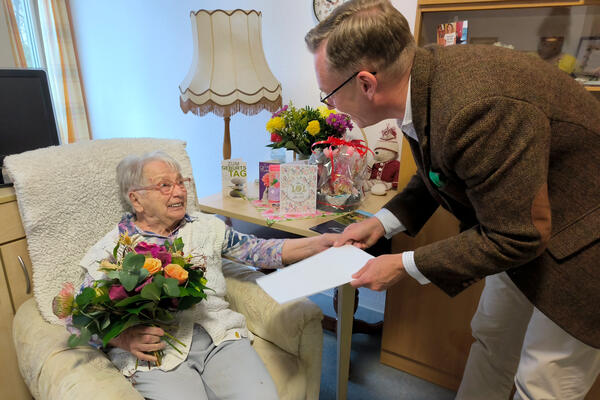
[(437, 179)]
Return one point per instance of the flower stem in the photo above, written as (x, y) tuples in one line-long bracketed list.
[(167, 334)]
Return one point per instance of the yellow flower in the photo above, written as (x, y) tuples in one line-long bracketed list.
[(153, 265), (177, 272), (101, 291), (125, 239), (313, 127), (324, 111), (275, 124), (107, 266)]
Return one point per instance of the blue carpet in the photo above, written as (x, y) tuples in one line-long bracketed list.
[(369, 379)]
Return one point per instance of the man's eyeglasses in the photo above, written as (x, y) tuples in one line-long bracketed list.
[(324, 96), (166, 187)]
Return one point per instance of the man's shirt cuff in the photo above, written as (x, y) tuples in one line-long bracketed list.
[(391, 224), (408, 259)]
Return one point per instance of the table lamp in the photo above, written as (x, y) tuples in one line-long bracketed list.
[(229, 71)]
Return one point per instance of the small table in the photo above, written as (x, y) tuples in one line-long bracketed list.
[(243, 210)]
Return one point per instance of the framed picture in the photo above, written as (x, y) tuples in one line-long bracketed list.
[(588, 55)]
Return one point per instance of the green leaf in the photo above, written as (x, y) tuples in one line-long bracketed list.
[(128, 279), (163, 315), (178, 243), (84, 336), (73, 340), (159, 280), (137, 310), (114, 331), (84, 298), (128, 300), (112, 274), (105, 323), (116, 250), (187, 302), (178, 260), (151, 292), (171, 287), (133, 262), (81, 320)]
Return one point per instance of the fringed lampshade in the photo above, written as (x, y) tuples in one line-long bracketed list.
[(229, 72)]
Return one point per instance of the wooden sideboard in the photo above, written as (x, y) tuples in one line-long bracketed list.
[(15, 288)]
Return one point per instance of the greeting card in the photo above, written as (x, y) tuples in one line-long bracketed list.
[(298, 188), (233, 178)]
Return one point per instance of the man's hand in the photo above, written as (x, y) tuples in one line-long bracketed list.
[(362, 235), (380, 273), (139, 340)]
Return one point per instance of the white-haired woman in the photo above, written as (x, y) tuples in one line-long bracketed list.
[(218, 360)]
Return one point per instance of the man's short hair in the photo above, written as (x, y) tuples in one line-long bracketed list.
[(365, 34)]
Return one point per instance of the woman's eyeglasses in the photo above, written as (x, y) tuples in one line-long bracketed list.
[(166, 187)]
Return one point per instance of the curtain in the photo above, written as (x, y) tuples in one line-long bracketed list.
[(17, 46), (56, 42), (63, 71)]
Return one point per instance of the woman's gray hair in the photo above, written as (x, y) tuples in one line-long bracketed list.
[(130, 172), (365, 34)]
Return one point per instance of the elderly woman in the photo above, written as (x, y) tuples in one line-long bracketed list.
[(218, 360)]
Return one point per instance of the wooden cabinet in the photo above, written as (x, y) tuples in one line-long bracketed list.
[(426, 333), (15, 288)]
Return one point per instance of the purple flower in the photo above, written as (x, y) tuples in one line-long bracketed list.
[(139, 288), (117, 292)]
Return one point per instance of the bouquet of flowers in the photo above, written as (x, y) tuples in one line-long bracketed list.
[(145, 283), (298, 129)]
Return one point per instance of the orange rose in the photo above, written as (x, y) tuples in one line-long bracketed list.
[(176, 271), (153, 265)]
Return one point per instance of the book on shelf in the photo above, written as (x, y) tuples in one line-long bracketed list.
[(340, 223), (452, 33)]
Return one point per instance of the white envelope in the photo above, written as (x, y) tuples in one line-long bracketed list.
[(330, 268)]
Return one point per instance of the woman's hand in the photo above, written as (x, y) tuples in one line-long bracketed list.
[(324, 241), (139, 340), (298, 249)]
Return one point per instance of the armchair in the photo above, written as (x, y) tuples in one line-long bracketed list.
[(67, 199)]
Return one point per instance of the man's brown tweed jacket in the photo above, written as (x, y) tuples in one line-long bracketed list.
[(514, 146)]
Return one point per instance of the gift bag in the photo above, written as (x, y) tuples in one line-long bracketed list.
[(342, 169)]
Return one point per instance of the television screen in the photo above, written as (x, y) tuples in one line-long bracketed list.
[(26, 115)]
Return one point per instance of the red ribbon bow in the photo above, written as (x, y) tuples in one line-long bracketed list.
[(357, 144)]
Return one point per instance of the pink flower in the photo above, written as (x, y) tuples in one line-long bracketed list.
[(265, 179), (280, 111), (117, 292), (155, 251), (139, 288), (145, 248), (62, 304)]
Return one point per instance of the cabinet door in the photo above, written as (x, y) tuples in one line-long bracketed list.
[(18, 271), (11, 383)]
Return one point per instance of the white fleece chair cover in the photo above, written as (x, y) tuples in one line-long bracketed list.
[(45, 198), (68, 199)]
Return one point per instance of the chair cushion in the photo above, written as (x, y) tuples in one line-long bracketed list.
[(68, 199)]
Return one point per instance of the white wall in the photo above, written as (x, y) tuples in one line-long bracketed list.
[(134, 54)]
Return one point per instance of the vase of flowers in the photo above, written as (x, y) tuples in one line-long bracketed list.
[(297, 129)]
